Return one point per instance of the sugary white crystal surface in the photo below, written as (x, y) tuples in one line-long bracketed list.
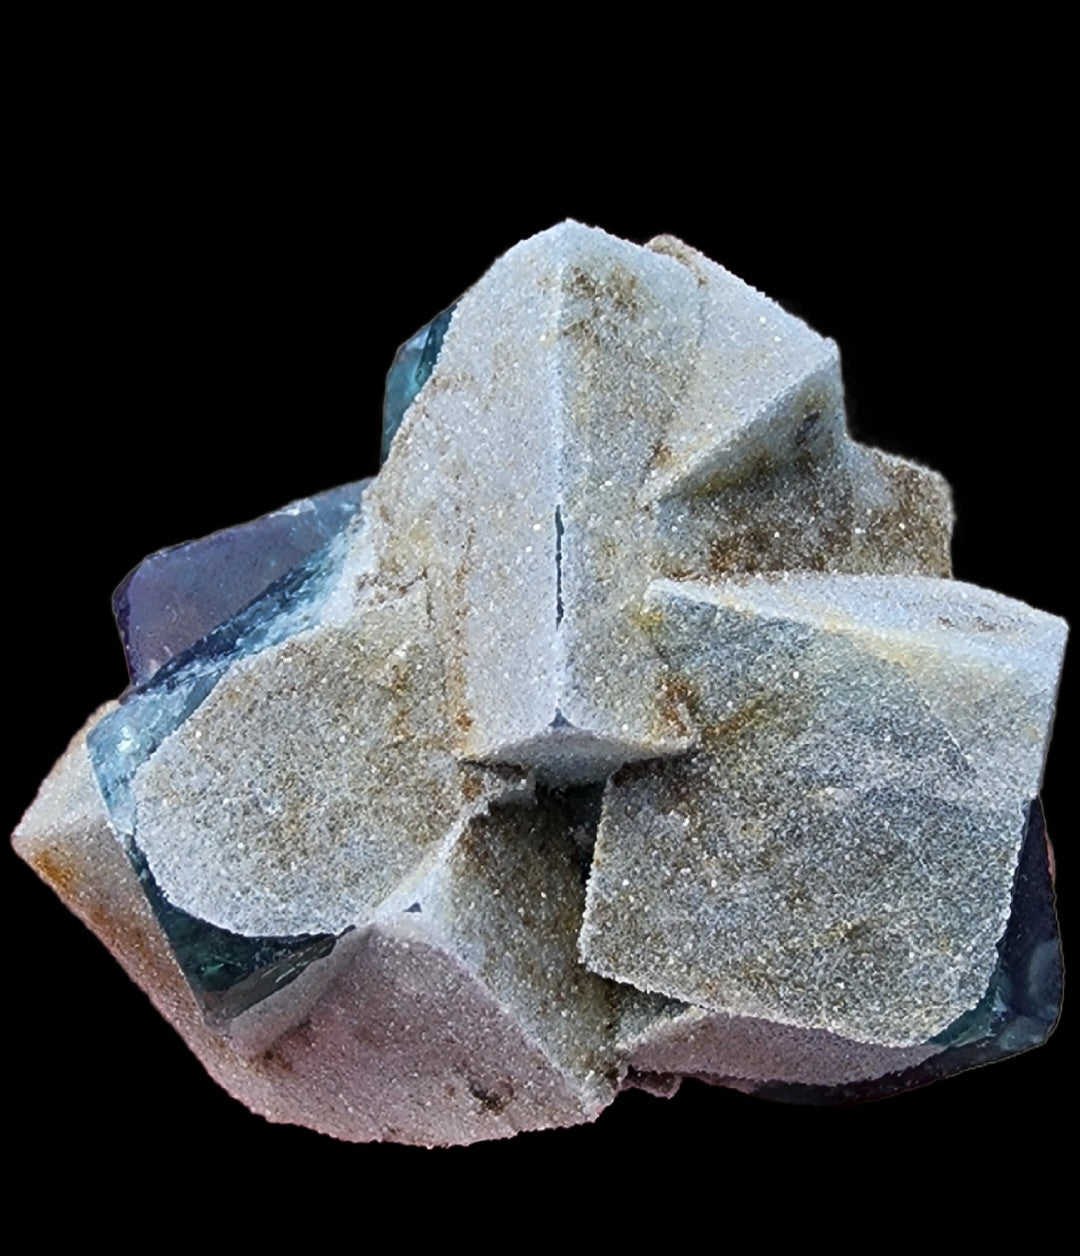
[(630, 728), (837, 853)]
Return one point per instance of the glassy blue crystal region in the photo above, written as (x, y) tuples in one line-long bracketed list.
[(227, 972), (240, 591), (409, 372), (1021, 1005)]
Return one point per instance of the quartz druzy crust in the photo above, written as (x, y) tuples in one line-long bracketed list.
[(628, 726)]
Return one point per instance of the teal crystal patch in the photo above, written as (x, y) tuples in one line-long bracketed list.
[(227, 972), (150, 712), (409, 372)]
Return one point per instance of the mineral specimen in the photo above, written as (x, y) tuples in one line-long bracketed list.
[(628, 726)]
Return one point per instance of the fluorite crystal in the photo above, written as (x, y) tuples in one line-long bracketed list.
[(627, 727)]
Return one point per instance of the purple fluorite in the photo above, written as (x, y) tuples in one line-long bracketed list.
[(178, 595)]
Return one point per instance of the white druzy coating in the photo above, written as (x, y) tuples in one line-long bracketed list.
[(838, 851)]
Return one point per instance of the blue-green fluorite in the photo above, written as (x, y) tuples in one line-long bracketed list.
[(409, 372)]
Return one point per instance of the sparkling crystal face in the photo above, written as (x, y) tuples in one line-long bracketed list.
[(1019, 1009), (628, 727)]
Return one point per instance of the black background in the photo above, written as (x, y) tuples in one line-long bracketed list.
[(178, 365)]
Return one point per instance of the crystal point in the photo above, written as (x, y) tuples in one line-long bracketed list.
[(409, 372), (629, 726)]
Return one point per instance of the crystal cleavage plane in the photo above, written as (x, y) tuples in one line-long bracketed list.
[(627, 727)]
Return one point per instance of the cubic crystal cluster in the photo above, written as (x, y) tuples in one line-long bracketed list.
[(627, 727)]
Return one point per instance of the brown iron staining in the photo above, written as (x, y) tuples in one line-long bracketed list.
[(617, 291), (493, 1096), (456, 687), (53, 867), (912, 533), (279, 1058), (805, 515), (787, 517), (660, 457)]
